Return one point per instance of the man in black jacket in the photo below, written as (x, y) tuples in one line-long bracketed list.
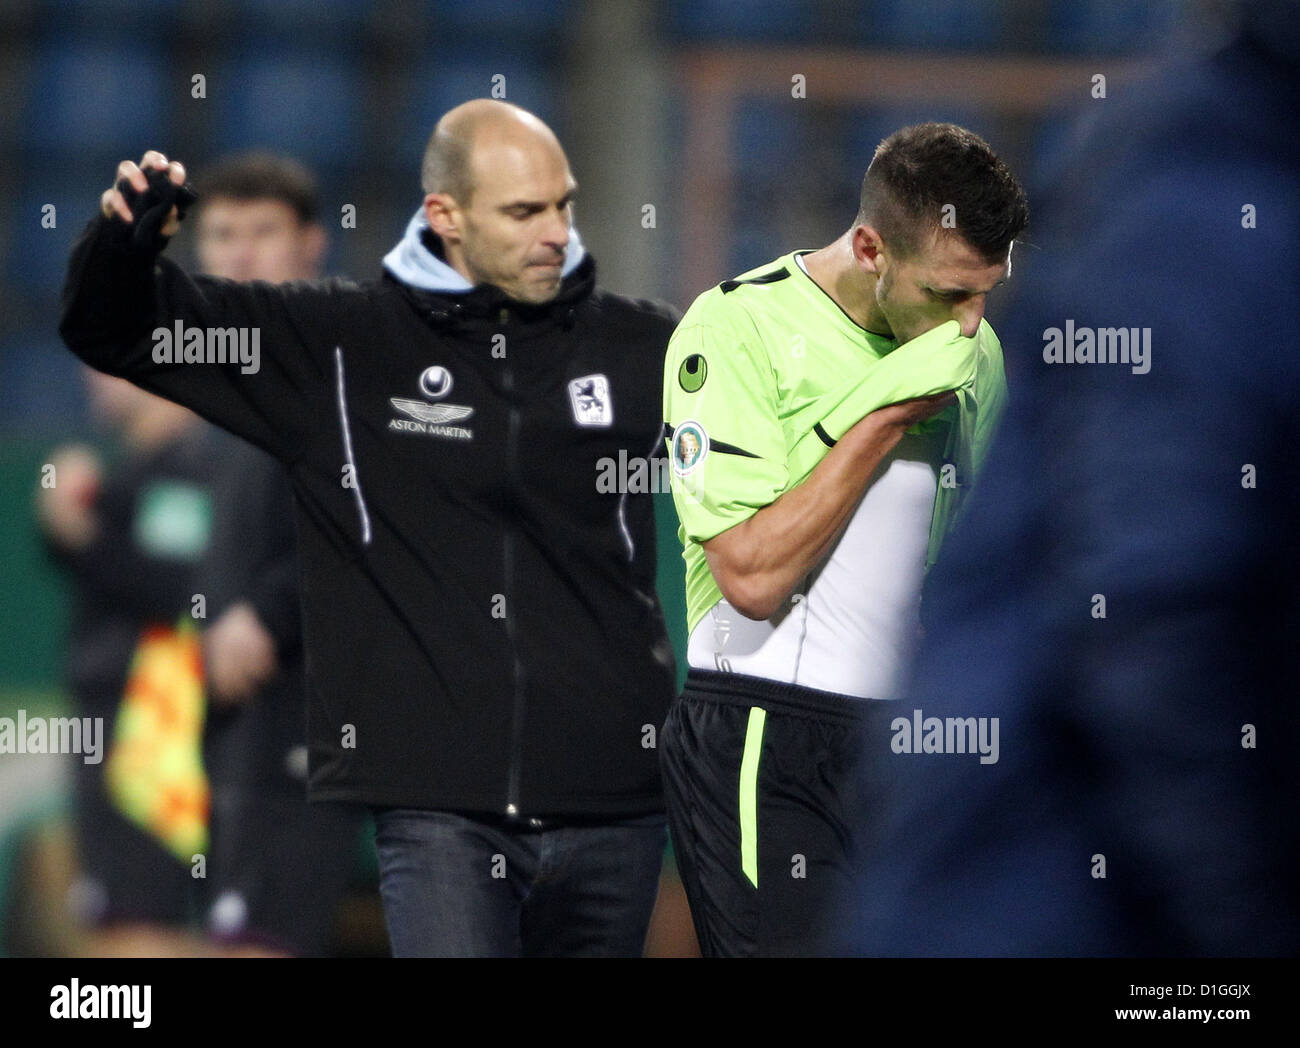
[(487, 663)]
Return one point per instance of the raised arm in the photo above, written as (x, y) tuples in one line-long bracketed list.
[(241, 355)]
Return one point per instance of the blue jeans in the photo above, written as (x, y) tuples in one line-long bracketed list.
[(461, 886)]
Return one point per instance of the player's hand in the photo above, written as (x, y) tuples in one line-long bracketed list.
[(907, 413), (66, 510), (238, 655), (113, 203)]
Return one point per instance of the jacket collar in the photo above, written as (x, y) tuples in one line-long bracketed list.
[(417, 266)]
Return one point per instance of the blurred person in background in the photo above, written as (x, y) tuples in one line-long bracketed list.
[(1134, 624), (279, 866), (131, 536)]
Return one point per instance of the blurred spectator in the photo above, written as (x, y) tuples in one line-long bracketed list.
[(131, 537), (1136, 635), (279, 866)]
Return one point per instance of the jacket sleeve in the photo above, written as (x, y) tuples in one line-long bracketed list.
[(124, 308)]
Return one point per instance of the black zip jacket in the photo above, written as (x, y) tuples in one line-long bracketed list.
[(480, 621)]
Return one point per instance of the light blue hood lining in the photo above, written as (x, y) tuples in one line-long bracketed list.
[(415, 265)]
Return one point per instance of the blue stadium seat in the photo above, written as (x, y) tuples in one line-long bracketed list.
[(45, 391), (526, 20), (753, 243), (1055, 145), (756, 21), (38, 257), (443, 82), (305, 103), (1111, 26), (768, 135), (866, 127), (293, 18), (96, 96), (137, 21), (918, 25)]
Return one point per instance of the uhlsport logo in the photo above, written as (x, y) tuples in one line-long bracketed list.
[(434, 420), (589, 397), (692, 373)]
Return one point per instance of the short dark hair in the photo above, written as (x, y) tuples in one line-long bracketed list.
[(263, 176), (445, 168), (918, 171)]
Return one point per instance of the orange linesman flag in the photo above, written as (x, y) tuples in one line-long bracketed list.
[(155, 765)]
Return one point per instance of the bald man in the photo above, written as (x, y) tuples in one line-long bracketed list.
[(487, 663)]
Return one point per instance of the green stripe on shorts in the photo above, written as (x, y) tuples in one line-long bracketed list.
[(749, 794)]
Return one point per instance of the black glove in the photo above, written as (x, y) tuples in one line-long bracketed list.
[(151, 207)]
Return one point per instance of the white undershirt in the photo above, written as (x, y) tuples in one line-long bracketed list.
[(856, 627)]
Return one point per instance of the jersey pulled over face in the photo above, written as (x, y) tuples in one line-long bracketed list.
[(763, 376)]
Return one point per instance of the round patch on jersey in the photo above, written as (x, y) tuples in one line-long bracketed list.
[(690, 445), (693, 372)]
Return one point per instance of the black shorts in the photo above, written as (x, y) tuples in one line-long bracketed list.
[(126, 875), (770, 798), (279, 867)]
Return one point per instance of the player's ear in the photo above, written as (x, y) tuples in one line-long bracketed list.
[(443, 215), (868, 249)]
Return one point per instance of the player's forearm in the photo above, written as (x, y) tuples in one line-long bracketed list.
[(759, 562)]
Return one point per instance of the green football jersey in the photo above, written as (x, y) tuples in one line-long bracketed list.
[(765, 373)]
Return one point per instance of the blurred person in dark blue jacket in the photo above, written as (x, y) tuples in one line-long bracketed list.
[(1135, 638)]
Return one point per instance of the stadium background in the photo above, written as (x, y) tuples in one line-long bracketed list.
[(690, 107)]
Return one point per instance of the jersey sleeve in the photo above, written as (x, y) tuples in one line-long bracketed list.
[(726, 445), (991, 387), (933, 362)]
